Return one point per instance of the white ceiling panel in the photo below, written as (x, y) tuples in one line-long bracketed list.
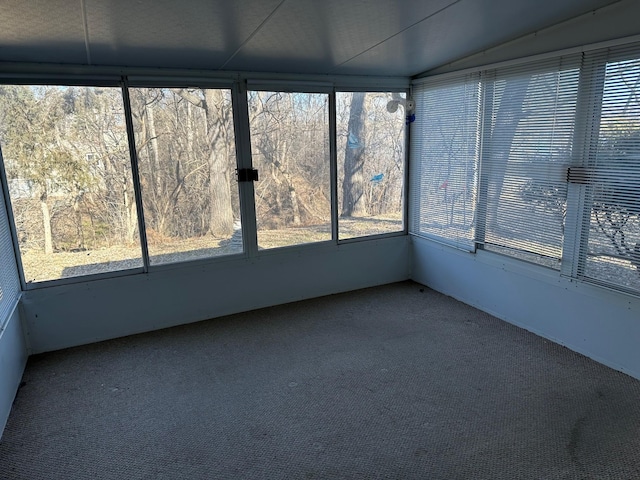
[(310, 36), (462, 29), (41, 31), (170, 33), (370, 37)]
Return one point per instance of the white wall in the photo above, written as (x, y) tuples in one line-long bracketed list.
[(597, 322), (75, 314), (13, 359)]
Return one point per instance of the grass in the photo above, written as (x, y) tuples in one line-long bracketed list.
[(39, 266)]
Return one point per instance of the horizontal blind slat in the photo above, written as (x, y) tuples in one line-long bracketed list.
[(446, 133), (612, 174), (9, 280), (530, 149), (526, 156)]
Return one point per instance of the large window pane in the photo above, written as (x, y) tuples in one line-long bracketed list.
[(290, 149), (186, 153), (370, 145), (613, 253), (67, 160), (446, 137), (528, 145)]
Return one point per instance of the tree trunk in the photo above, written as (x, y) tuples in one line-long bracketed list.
[(130, 210), (153, 148), (293, 197), (288, 180), (276, 181), (508, 116), (353, 199), (221, 210), (216, 114), (78, 219), (46, 223), (190, 127)]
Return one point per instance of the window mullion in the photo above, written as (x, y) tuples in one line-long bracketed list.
[(333, 169), (585, 140), (244, 160), (484, 118), (406, 190), (133, 155)]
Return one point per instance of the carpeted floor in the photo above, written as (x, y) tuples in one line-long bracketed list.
[(394, 382)]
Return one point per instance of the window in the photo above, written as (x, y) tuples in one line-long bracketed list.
[(370, 150), (527, 148), (611, 234), (290, 150), (66, 157), (75, 199), (556, 147), (186, 160), (493, 151), (9, 284), (446, 139)]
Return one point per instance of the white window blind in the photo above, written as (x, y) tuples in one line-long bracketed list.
[(529, 116), (9, 283), (445, 140), (555, 148), (610, 238)]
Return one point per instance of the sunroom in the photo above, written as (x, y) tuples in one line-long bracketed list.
[(165, 164)]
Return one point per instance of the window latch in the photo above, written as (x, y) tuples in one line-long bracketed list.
[(579, 175), (247, 175)]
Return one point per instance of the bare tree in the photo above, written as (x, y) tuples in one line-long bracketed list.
[(34, 151), (97, 133), (353, 199), (508, 116), (218, 120)]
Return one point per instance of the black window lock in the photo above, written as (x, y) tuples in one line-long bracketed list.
[(247, 175)]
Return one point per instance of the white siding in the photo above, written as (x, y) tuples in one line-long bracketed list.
[(597, 322), (80, 313)]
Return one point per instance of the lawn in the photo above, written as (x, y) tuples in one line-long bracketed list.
[(39, 266)]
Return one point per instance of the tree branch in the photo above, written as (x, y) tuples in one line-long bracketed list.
[(189, 97)]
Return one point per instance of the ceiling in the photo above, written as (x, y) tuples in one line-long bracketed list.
[(364, 37)]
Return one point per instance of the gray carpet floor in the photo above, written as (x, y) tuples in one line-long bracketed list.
[(393, 382)]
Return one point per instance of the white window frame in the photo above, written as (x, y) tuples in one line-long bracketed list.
[(237, 82)]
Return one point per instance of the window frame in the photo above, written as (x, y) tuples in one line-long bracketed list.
[(239, 84), (405, 166), (142, 82), (319, 88), (488, 78), (584, 142), (88, 82), (595, 63), (456, 81)]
